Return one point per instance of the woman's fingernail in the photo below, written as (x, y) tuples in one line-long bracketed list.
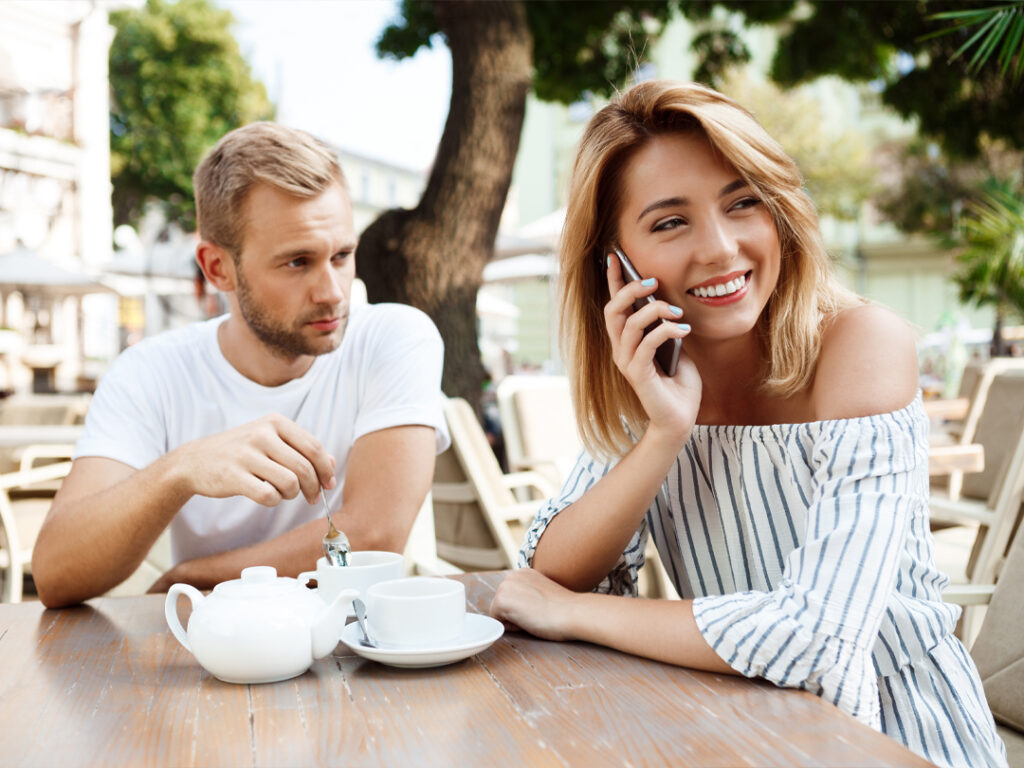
[(607, 261), (675, 310), (648, 282), (683, 326)]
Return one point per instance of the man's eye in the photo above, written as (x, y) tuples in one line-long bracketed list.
[(300, 262), (340, 257)]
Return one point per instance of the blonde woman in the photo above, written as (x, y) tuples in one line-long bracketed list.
[(782, 470)]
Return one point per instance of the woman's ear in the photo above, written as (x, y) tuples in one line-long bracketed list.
[(217, 264)]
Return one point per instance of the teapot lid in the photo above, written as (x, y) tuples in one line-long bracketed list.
[(258, 581)]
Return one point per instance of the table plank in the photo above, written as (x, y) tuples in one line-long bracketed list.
[(120, 690)]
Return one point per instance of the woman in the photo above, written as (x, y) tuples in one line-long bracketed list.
[(782, 470)]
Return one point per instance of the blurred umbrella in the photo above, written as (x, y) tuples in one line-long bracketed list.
[(28, 273)]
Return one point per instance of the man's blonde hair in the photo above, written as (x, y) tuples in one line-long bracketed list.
[(285, 158), (608, 410)]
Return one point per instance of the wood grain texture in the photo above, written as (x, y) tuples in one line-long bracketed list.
[(107, 684)]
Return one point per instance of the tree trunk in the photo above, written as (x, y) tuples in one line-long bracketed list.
[(999, 347), (433, 256)]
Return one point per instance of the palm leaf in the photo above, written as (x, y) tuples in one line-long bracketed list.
[(993, 259), (1001, 33)]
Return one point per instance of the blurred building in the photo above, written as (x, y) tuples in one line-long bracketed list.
[(55, 191), (377, 185)]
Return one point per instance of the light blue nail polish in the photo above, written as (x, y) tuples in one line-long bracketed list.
[(675, 310), (607, 261), (683, 326), (648, 282)]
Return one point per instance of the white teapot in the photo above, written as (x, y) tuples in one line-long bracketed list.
[(259, 628)]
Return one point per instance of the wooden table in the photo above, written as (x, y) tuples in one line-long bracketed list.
[(107, 684)]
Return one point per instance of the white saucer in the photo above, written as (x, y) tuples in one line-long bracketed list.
[(478, 633)]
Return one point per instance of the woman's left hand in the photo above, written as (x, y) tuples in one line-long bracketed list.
[(530, 601)]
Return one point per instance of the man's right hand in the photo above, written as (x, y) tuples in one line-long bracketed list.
[(266, 460), (108, 514)]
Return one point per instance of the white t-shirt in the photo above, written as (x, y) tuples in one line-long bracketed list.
[(177, 386)]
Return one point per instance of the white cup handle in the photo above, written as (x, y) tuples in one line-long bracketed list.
[(171, 610)]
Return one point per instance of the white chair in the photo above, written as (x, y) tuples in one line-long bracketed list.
[(980, 422), (25, 498), (421, 558), (991, 499), (478, 522), (538, 423), (998, 648)]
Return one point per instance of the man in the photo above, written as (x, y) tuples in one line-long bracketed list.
[(226, 430)]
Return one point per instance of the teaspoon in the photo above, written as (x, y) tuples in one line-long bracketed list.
[(360, 610), (335, 545)]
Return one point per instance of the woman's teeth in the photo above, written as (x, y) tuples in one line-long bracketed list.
[(723, 289)]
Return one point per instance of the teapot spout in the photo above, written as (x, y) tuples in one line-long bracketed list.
[(329, 623)]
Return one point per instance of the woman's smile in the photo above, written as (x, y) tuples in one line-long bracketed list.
[(722, 290)]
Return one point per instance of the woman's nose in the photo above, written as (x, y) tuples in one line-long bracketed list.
[(717, 243)]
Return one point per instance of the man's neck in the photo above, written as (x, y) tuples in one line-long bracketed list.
[(251, 357)]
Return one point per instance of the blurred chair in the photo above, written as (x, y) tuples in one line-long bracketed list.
[(421, 558), (478, 523), (44, 409), (25, 498), (980, 414), (996, 514), (538, 423), (998, 648), (39, 410)]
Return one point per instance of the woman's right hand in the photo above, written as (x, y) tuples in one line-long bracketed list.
[(671, 403)]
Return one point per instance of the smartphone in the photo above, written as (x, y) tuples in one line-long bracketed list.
[(667, 354)]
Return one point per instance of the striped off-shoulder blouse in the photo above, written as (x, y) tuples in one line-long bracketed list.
[(807, 551)]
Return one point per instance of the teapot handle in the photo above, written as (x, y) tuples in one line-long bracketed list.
[(171, 610)]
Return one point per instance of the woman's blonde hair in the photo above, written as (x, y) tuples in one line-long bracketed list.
[(285, 158), (608, 410)]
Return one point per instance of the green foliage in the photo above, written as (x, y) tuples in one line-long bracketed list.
[(920, 73), (1001, 32), (837, 172), (993, 259), (932, 189), (178, 83), (579, 48)]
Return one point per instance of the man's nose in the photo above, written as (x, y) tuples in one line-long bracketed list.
[(328, 286)]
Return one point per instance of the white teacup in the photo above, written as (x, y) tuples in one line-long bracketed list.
[(364, 569), (416, 612)]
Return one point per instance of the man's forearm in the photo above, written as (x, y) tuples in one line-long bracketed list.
[(292, 552), (91, 542)]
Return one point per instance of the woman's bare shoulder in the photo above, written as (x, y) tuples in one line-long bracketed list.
[(867, 366)]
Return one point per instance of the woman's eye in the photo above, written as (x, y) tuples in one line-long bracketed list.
[(667, 224), (744, 203)]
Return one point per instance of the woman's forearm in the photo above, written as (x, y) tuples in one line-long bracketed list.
[(582, 543), (663, 630)]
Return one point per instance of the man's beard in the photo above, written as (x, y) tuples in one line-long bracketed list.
[(281, 341)]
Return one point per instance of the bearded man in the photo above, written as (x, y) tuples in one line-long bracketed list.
[(226, 430)]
